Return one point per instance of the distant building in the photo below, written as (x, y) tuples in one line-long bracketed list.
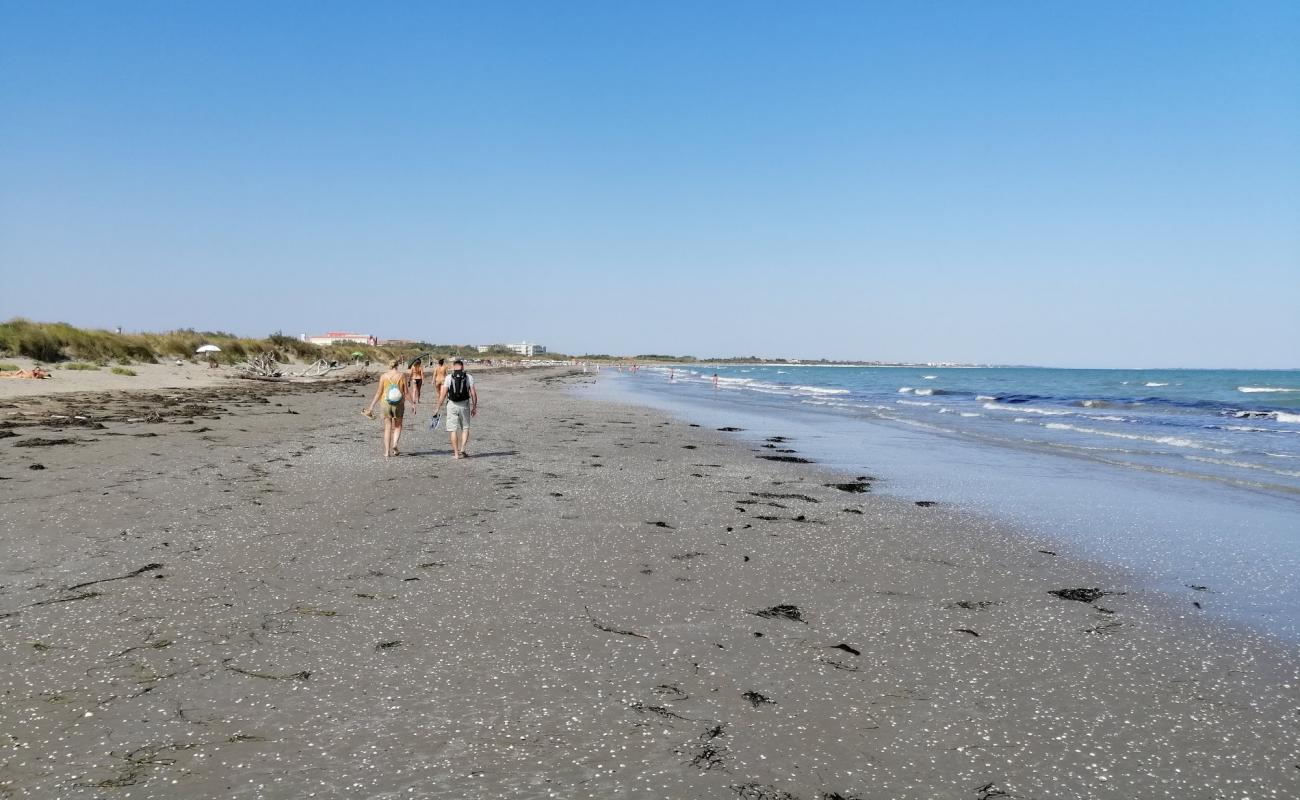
[(338, 337), (528, 349), (400, 342)]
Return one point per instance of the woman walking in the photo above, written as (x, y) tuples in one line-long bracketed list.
[(393, 393)]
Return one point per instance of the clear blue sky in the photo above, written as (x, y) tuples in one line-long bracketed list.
[(1062, 183)]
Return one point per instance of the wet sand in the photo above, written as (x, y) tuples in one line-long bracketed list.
[(235, 596)]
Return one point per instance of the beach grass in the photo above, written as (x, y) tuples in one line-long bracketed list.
[(130, 373), (81, 365), (55, 342), (8, 367)]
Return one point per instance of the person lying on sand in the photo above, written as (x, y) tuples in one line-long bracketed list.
[(393, 392), (35, 372)]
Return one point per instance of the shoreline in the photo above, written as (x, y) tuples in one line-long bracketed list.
[(575, 610), (1181, 533)]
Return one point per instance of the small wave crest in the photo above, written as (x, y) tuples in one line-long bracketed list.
[(1172, 441), (1258, 389), (1047, 412), (1154, 383)]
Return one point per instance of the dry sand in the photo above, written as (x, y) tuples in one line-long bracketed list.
[(148, 377), (238, 597)]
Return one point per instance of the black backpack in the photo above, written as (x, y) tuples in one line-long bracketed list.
[(459, 390)]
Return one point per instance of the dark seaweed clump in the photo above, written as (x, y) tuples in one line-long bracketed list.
[(1081, 595), (782, 612)]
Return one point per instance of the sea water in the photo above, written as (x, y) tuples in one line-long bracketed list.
[(1189, 477)]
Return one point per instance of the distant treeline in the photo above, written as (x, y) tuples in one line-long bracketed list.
[(52, 342)]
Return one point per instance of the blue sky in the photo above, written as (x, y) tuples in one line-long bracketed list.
[(1061, 183)]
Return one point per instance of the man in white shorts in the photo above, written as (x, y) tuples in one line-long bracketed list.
[(462, 404)]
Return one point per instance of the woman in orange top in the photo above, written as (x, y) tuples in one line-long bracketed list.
[(393, 393)]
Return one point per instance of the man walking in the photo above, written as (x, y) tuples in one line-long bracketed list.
[(458, 391)]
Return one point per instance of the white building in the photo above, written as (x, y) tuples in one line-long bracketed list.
[(338, 337), (527, 349)]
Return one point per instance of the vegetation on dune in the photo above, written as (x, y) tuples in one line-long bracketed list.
[(7, 367), (81, 365), (56, 342), (130, 373)]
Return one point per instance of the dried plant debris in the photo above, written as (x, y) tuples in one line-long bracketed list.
[(974, 605), (1104, 628), (784, 496), (965, 630), (671, 691), (709, 753), (131, 574), (783, 611), (989, 791), (756, 699), (600, 626), (1083, 595), (292, 676), (660, 524), (761, 791), (846, 648), (730, 429), (788, 459), (927, 503), (666, 713), (39, 442)]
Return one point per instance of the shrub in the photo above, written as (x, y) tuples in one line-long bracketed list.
[(130, 373), (7, 367), (81, 365)]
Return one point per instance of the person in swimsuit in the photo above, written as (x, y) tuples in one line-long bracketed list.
[(417, 378), (393, 393), (440, 374)]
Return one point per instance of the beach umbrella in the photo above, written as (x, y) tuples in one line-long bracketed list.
[(358, 354), (208, 348)]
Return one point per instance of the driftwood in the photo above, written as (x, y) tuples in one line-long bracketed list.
[(265, 366)]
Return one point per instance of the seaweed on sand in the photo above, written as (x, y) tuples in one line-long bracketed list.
[(131, 574), (37, 441), (853, 487), (292, 676), (1082, 595), (709, 752), (608, 629), (783, 611), (756, 699), (761, 791)]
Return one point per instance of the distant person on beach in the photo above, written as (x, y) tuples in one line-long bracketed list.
[(440, 375), (393, 392), (462, 404), (417, 378), (715, 380)]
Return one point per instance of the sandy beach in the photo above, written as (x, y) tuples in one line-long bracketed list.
[(225, 591)]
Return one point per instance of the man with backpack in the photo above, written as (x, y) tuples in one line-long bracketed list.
[(462, 404)]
